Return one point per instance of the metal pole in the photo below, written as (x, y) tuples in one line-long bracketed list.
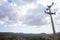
[(53, 28), (54, 35), (50, 13)]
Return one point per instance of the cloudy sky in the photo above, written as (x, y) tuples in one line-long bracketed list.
[(27, 16)]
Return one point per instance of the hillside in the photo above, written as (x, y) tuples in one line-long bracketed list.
[(23, 34)]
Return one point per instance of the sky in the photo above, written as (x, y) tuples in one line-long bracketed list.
[(27, 16)]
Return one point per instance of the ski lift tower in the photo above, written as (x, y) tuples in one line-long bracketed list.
[(50, 13)]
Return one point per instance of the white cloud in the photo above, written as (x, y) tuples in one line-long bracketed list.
[(3, 1), (27, 13), (45, 3), (1, 22)]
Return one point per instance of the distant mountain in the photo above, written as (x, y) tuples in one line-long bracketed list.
[(58, 33), (22, 34)]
